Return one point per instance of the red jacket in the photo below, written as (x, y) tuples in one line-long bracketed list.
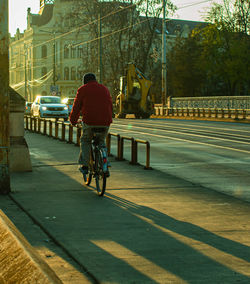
[(94, 102)]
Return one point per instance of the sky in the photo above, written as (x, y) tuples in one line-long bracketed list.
[(18, 11)]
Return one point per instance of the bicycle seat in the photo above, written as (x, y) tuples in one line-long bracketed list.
[(98, 130)]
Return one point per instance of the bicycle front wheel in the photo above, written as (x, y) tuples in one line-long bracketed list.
[(88, 177), (100, 176), (100, 181)]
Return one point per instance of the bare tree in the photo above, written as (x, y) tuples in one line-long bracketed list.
[(231, 15), (128, 35)]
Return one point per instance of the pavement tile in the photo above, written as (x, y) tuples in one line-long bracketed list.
[(150, 227)]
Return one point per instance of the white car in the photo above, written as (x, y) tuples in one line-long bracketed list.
[(49, 107)]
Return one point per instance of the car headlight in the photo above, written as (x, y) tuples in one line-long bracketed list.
[(44, 108), (65, 108)]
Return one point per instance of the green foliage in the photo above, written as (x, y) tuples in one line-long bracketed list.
[(184, 72), (213, 60)]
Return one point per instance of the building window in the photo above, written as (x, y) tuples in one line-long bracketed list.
[(44, 72), (177, 30), (66, 51), (73, 52), (79, 52), (73, 73), (44, 51), (66, 73), (79, 73)]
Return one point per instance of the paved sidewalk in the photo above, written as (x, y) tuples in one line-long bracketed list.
[(149, 228)]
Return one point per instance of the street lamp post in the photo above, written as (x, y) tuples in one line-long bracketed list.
[(164, 63), (25, 73), (100, 46), (54, 54)]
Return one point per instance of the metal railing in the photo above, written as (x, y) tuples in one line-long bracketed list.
[(203, 112), (45, 127), (65, 132), (134, 149)]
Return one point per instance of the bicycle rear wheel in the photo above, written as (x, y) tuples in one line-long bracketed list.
[(100, 176)]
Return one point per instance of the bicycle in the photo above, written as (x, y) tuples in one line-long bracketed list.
[(98, 166)]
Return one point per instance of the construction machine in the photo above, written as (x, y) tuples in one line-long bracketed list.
[(134, 97)]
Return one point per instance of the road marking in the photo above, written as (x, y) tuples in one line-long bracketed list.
[(179, 126), (197, 135), (195, 125), (190, 141)]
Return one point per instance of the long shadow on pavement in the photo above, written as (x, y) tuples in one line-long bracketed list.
[(110, 238), (120, 240)]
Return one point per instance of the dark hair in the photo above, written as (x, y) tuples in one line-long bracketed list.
[(88, 77)]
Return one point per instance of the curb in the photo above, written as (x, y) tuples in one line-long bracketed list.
[(19, 262)]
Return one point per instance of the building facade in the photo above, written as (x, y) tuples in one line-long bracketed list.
[(50, 56), (47, 59)]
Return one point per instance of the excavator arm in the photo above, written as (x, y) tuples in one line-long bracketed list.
[(134, 94)]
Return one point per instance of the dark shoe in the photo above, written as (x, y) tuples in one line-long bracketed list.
[(84, 170)]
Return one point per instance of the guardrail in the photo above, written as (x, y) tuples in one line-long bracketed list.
[(134, 149), (65, 132), (203, 112)]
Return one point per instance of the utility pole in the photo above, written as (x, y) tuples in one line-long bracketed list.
[(53, 88), (25, 73), (100, 46), (4, 99), (54, 60), (164, 57)]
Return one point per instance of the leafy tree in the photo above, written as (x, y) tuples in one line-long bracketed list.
[(230, 37), (214, 60), (185, 76)]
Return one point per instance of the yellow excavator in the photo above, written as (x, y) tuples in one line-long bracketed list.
[(134, 97)]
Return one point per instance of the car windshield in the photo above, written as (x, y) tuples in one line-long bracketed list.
[(52, 100)]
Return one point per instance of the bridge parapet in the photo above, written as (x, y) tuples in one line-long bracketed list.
[(225, 102)]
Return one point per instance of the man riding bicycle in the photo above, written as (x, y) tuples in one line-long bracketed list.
[(93, 101)]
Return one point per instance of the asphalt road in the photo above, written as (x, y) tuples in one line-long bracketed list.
[(213, 154)]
